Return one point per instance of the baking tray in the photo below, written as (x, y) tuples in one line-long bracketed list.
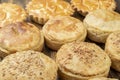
[(51, 53)]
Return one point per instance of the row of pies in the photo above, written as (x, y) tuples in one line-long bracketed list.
[(75, 59)]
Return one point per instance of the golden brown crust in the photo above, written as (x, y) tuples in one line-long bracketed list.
[(10, 13), (113, 49), (28, 65), (86, 6), (101, 23), (20, 36), (81, 61), (42, 10), (102, 78), (63, 29)]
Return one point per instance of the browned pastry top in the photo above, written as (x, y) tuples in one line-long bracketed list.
[(19, 36), (10, 13), (90, 5), (28, 65), (48, 8), (64, 29), (82, 59)]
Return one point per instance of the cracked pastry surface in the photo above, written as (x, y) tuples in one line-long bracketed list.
[(10, 13), (101, 23), (82, 61), (63, 29), (28, 65), (112, 47), (20, 36), (86, 6), (42, 10)]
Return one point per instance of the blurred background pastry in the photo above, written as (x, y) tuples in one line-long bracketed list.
[(41, 11), (102, 78), (28, 65), (82, 61), (112, 47), (20, 36), (10, 13), (101, 23), (63, 29), (86, 6)]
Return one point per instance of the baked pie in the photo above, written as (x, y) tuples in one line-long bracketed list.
[(86, 6), (82, 61), (28, 65), (20, 36), (41, 11), (100, 23), (63, 29), (112, 47), (10, 13)]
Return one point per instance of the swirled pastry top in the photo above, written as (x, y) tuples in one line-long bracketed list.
[(19, 36), (86, 6), (82, 59), (103, 20), (113, 45), (10, 13), (48, 8), (28, 65), (64, 29)]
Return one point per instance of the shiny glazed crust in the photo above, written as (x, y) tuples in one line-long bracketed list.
[(42, 10), (63, 29), (101, 23), (82, 61), (28, 65), (86, 6), (113, 49), (20, 36), (10, 13)]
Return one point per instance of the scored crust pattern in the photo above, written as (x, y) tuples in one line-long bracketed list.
[(85, 6), (43, 10), (10, 13)]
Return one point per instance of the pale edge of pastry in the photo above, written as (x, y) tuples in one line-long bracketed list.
[(112, 47), (102, 78)]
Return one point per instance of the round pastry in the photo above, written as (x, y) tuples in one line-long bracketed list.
[(28, 65), (41, 11), (82, 61), (63, 29), (10, 13), (86, 6), (102, 78), (20, 36), (112, 47), (101, 23)]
